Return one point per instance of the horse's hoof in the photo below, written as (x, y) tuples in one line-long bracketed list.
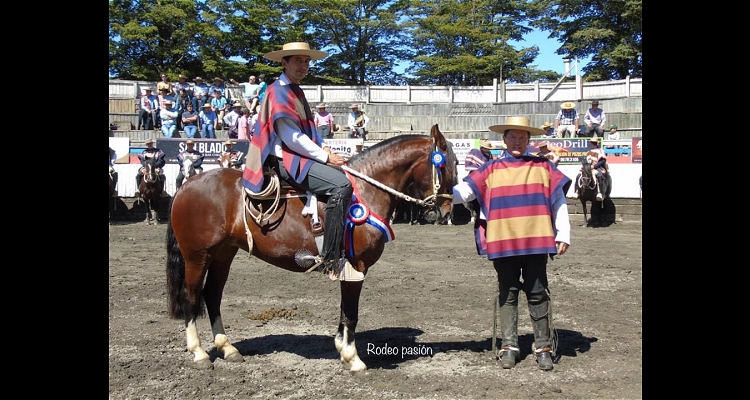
[(203, 364), (234, 357)]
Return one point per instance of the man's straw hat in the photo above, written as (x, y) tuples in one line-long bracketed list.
[(229, 143), (568, 105), (543, 144), (546, 125), (521, 123), (486, 144), (295, 49)]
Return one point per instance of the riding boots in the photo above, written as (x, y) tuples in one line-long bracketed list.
[(508, 311), (540, 321), (336, 210)]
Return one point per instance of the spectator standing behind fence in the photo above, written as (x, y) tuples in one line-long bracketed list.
[(566, 123), (168, 116), (527, 221), (208, 120), (595, 119), (259, 94), (200, 93), (357, 121), (148, 110), (324, 121), (219, 105), (243, 125), (189, 120)]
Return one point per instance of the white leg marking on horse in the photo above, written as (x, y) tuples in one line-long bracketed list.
[(222, 343), (194, 343), (349, 353)]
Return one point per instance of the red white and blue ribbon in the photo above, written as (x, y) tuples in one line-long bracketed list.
[(359, 214)]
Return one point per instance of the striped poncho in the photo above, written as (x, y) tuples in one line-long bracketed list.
[(281, 101), (516, 195)]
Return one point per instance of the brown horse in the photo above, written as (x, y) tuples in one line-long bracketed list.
[(200, 250), (151, 188)]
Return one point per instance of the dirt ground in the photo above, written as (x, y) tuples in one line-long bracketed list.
[(430, 293)]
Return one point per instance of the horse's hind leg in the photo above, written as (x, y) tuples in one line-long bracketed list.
[(344, 340), (213, 290)]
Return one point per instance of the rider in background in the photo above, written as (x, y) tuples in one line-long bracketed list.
[(545, 152), (157, 155), (112, 171), (236, 157), (595, 156), (357, 122), (191, 152)]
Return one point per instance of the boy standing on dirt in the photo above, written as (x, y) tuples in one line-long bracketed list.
[(523, 200)]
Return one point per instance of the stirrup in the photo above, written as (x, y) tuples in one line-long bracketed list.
[(544, 358), (509, 356)]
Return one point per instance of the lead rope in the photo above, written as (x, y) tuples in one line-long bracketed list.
[(386, 188)]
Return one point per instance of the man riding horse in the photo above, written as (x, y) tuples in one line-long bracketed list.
[(194, 155), (236, 157), (157, 155), (596, 158)]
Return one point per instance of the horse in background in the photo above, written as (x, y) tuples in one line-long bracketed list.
[(188, 168), (272, 228), (151, 189), (225, 161), (586, 184)]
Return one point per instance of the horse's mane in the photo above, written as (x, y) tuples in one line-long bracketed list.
[(393, 141)]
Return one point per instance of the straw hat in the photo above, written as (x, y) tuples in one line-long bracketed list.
[(568, 105), (521, 123), (594, 139), (543, 144), (149, 141), (207, 105), (228, 143), (190, 141), (295, 49), (546, 125), (354, 106), (321, 105), (486, 144), (218, 79), (198, 79)]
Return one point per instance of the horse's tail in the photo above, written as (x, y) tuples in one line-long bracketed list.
[(175, 275)]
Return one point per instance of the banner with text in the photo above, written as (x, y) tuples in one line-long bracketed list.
[(210, 148)]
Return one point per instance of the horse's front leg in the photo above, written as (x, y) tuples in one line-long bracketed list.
[(344, 340)]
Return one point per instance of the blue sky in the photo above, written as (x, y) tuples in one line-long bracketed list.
[(547, 59)]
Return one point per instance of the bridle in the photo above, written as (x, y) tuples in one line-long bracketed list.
[(274, 186)]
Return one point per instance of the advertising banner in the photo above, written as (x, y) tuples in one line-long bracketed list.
[(637, 150), (347, 147), (211, 148), (571, 151), (461, 148)]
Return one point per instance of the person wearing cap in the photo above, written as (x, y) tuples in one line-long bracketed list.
[(168, 116), (549, 130), (236, 157), (188, 152), (220, 106), (595, 120), (286, 141), (546, 152), (200, 93), (151, 152), (208, 121), (614, 134), (259, 93), (527, 222), (323, 121), (598, 161), (357, 121), (232, 118), (148, 104), (566, 122)]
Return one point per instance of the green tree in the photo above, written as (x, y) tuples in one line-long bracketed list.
[(610, 31), (465, 42)]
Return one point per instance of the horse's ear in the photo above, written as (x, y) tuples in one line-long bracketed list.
[(438, 137)]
